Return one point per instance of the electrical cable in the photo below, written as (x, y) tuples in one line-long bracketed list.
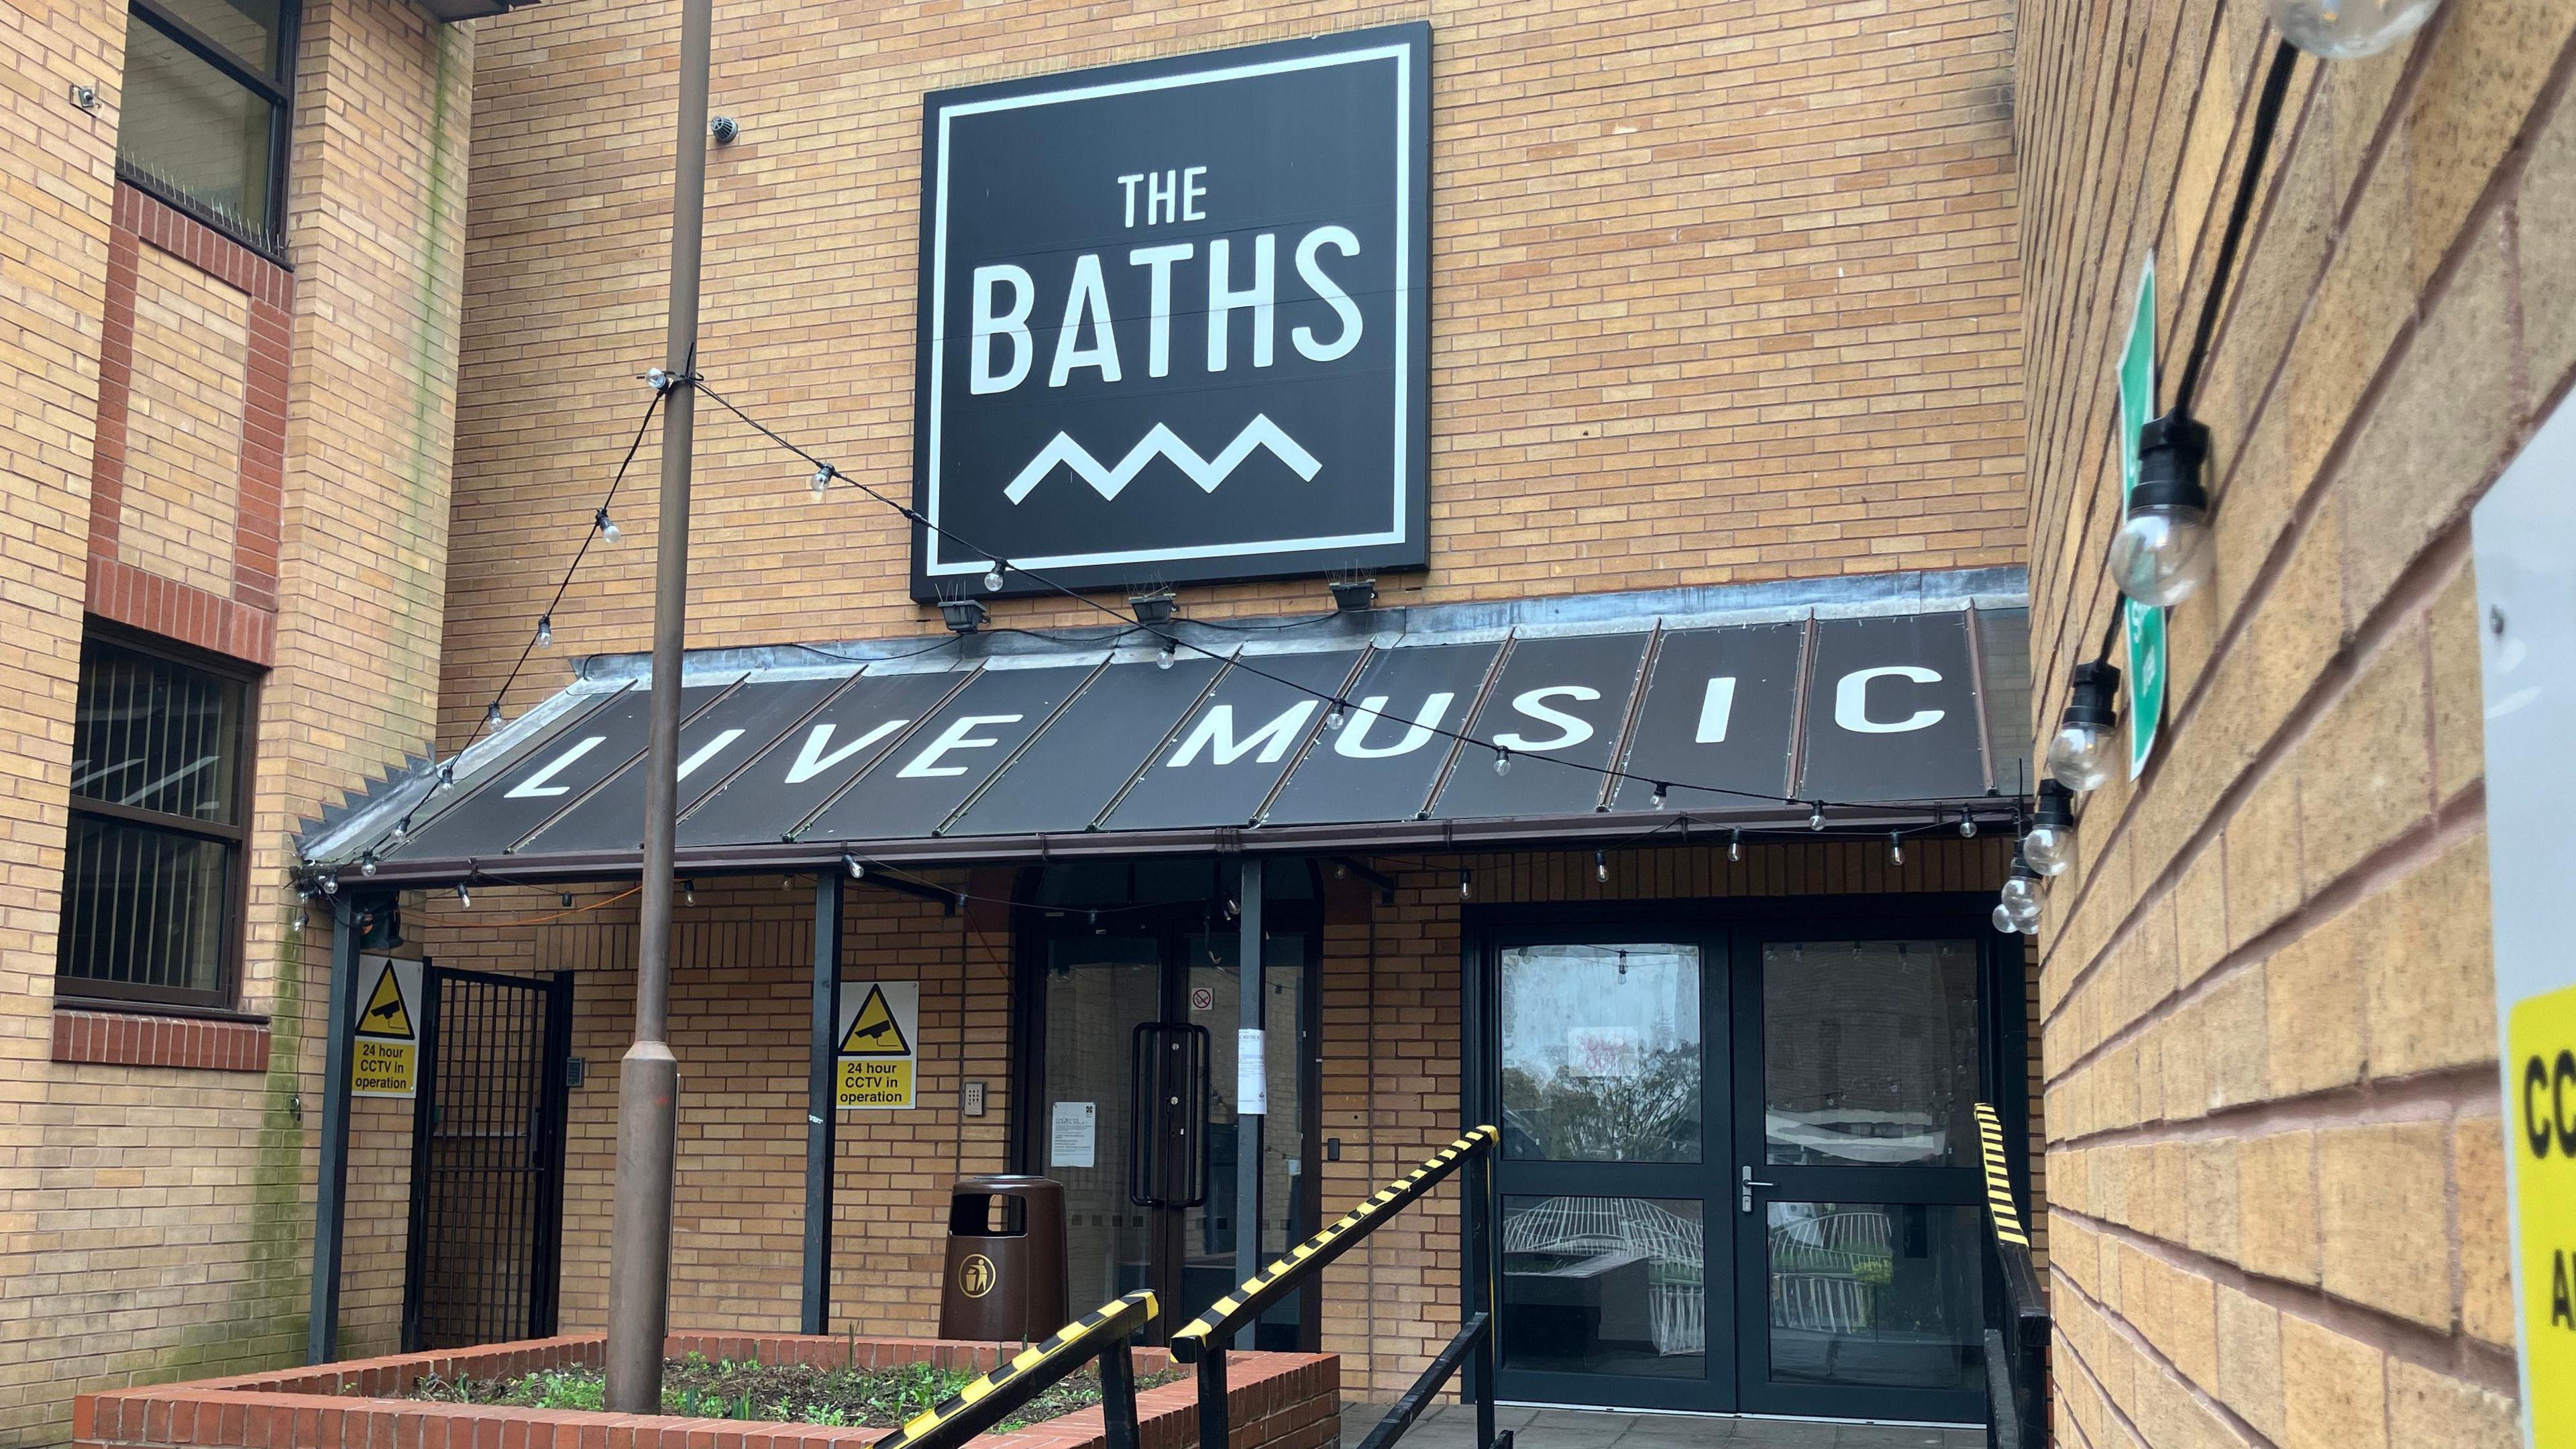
[(1338, 702)]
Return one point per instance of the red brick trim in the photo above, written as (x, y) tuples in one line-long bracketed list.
[(130, 1039), (1276, 1401), (243, 625)]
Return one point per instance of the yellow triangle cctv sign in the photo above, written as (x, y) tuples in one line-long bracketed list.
[(384, 1057), (880, 1024)]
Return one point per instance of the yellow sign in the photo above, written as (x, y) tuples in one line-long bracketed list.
[(874, 1032), (866, 1083), (2541, 1040), (385, 1015), (384, 1049), (977, 1275), (880, 1025)]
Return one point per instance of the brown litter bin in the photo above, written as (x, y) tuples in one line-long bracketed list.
[(1006, 1268)]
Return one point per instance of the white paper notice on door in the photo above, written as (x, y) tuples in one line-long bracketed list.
[(1073, 1142)]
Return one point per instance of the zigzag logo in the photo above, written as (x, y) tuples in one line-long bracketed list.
[(1162, 442)]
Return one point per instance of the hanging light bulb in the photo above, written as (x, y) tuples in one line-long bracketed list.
[(295, 918), (395, 837), (822, 479), (1502, 760), (545, 631), (1465, 888), (2003, 919), (606, 525), (447, 775), (2050, 845), (2079, 754), (1735, 845), (1816, 816), (1600, 865), (330, 885), (1164, 659), (1895, 848), (492, 715), (1333, 716), (658, 379), (563, 899), (367, 864), (851, 864), (464, 897), (2348, 29), (2021, 895), (993, 577), (2161, 554), (1967, 826), (688, 892), (1659, 794)]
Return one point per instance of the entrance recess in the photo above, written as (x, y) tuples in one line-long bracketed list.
[(1738, 1167), (487, 1159), (1130, 1003)]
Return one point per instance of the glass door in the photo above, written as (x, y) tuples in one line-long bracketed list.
[(1612, 1171), (1857, 1186), (1131, 1009)]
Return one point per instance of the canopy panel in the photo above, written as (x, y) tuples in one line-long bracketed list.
[(1252, 740)]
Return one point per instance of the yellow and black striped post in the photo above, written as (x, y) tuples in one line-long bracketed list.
[(1999, 1190), (1101, 1333)]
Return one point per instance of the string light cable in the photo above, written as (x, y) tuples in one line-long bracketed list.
[(1336, 702)]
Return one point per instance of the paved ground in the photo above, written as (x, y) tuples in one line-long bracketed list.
[(1453, 1426)]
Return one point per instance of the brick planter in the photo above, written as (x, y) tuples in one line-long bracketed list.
[(1279, 1401)]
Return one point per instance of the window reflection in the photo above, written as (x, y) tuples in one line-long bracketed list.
[(1874, 1294), (1869, 1052), (1604, 1285), (1601, 1053)]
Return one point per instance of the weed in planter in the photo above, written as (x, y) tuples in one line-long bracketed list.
[(696, 1388)]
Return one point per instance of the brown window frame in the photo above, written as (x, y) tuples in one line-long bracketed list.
[(234, 897)]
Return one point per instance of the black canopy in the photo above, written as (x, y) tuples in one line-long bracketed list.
[(1884, 714)]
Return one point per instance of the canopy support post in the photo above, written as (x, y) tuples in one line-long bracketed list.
[(830, 895), (1252, 987), (331, 1179)]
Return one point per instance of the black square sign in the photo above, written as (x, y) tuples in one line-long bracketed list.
[(1173, 319)]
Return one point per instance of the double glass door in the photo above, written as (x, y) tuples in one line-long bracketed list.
[(1738, 1169), (1136, 1039)]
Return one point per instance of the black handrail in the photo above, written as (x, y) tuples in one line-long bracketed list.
[(1102, 1333), (1202, 1341), (2017, 1346)]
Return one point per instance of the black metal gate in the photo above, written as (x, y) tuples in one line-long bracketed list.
[(487, 1159)]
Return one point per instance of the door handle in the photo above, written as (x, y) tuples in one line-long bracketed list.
[(1744, 1203)]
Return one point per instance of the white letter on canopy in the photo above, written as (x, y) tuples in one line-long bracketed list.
[(1215, 733), (980, 377), (535, 785), (811, 761), (1571, 731), (1352, 740), (1716, 708), (1087, 302), (957, 736), (1223, 299), (1851, 700)]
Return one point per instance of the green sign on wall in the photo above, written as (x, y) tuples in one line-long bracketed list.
[(2144, 626)]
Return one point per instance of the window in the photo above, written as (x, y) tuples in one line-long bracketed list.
[(205, 109), (152, 871)]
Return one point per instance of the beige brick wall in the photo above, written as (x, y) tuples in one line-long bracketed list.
[(1720, 291), (184, 423), (2269, 1034), (155, 1222)]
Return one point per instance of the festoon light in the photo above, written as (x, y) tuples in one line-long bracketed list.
[(2080, 753)]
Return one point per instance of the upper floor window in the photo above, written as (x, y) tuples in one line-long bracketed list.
[(152, 871), (205, 109)]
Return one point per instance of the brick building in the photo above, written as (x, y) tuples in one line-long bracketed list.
[(1755, 440), (231, 290)]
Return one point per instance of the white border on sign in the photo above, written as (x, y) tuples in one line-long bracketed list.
[(1401, 55)]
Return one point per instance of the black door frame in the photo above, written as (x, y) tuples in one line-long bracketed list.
[(1731, 929), (1034, 925), (551, 1131)]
